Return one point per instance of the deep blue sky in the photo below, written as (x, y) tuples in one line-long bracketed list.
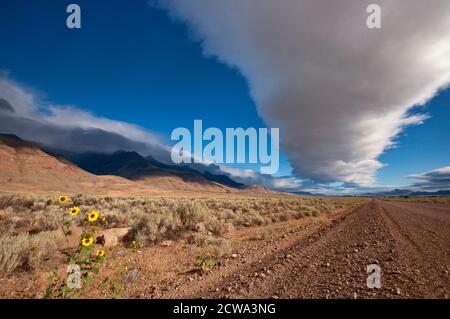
[(420, 148), (133, 63), (128, 62)]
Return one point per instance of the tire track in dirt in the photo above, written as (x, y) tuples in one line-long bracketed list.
[(335, 265), (218, 282), (423, 254), (330, 261)]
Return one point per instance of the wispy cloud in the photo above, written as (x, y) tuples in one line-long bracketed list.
[(248, 176), (434, 180), (339, 92), (24, 113)]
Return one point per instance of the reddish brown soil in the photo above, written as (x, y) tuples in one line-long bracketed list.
[(315, 257), (410, 241)]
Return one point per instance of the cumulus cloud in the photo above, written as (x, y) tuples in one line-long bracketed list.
[(68, 128), (434, 180), (339, 92)]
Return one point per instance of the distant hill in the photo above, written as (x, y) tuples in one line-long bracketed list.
[(257, 189), (201, 169), (308, 194), (148, 171), (27, 168), (406, 192)]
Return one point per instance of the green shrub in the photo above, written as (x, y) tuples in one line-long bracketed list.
[(150, 228), (284, 217), (145, 230), (205, 262), (258, 220), (191, 213)]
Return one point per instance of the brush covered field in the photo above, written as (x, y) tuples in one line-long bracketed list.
[(138, 247)]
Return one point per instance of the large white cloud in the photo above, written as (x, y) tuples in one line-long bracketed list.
[(339, 91)]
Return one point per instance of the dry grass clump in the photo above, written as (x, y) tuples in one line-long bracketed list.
[(24, 250), (13, 252), (150, 228), (41, 248), (16, 202), (191, 213), (285, 217), (47, 220)]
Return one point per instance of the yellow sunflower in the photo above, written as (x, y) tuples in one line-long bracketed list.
[(87, 241), (63, 199), (100, 253), (93, 216), (102, 217), (73, 211)]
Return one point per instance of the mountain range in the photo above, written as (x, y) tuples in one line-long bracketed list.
[(407, 192), (29, 167), (36, 168)]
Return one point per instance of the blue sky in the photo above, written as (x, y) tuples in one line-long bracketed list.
[(136, 64), (420, 148)]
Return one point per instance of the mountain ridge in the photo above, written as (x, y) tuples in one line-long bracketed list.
[(133, 166), (97, 169), (27, 168), (408, 192)]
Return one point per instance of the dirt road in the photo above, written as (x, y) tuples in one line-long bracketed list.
[(409, 241)]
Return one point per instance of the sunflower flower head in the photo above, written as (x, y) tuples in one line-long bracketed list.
[(102, 217), (93, 216), (87, 241), (73, 211), (100, 253), (63, 199)]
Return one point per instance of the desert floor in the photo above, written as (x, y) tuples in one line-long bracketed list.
[(320, 256)]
